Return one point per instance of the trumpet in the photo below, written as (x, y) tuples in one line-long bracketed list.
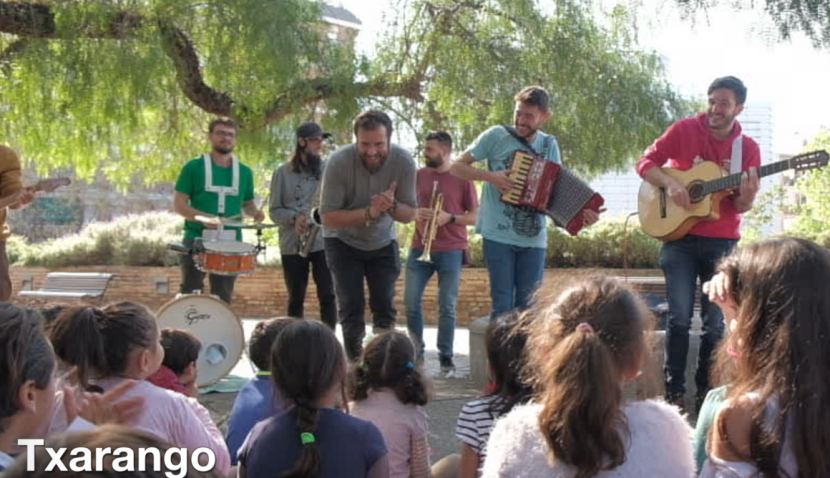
[(436, 203)]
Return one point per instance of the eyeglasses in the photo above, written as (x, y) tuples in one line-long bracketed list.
[(226, 134), (315, 139)]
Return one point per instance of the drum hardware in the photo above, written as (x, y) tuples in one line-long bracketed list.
[(222, 257)]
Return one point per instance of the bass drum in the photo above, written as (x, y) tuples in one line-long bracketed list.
[(213, 322)]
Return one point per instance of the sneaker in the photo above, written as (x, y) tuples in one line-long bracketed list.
[(447, 366)]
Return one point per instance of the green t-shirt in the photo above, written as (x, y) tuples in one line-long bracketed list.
[(192, 182)]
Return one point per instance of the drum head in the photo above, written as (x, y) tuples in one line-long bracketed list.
[(215, 325), (228, 247)]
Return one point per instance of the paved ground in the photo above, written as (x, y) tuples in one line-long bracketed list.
[(449, 394)]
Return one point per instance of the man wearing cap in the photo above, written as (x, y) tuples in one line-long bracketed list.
[(294, 193), (214, 184)]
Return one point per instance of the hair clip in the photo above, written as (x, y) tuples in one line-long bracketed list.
[(306, 438), (410, 365), (585, 327)]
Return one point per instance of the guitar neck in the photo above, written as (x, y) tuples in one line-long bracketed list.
[(734, 180)]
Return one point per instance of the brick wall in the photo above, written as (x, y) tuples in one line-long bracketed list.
[(263, 293)]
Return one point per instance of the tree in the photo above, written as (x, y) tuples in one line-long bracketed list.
[(130, 85), (813, 211), (811, 17)]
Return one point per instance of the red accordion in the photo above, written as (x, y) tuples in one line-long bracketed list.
[(549, 188)]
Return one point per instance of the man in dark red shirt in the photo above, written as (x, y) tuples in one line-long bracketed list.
[(709, 136), (447, 251)]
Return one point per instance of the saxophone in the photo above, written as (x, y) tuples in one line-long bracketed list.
[(313, 222)]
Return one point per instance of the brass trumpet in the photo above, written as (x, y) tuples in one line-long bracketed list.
[(436, 203)]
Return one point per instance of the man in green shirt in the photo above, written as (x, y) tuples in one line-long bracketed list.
[(214, 184)]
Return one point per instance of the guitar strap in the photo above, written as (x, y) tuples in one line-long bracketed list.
[(736, 165), (546, 142)]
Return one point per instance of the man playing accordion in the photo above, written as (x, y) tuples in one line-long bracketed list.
[(515, 238)]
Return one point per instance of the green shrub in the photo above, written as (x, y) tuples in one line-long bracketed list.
[(133, 240)]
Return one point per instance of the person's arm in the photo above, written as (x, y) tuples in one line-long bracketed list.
[(196, 429), (182, 207), (419, 456), (470, 462), (380, 469), (251, 210), (280, 214), (464, 169)]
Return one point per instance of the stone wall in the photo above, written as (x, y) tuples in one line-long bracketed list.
[(263, 294)]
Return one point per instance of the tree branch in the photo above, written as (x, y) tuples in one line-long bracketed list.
[(32, 20)]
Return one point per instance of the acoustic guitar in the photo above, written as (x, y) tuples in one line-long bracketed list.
[(707, 186), (46, 185)]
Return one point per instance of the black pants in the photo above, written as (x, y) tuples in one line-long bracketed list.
[(295, 272), (349, 266), (194, 279)]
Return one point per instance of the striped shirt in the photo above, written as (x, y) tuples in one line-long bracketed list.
[(475, 422)]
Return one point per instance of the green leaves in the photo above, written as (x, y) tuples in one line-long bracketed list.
[(127, 87)]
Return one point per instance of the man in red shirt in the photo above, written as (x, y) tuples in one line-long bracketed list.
[(447, 251), (709, 136)]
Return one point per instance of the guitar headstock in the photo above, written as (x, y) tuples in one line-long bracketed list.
[(49, 185), (811, 160)]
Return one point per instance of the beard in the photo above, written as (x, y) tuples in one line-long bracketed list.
[(725, 121), (532, 131), (223, 149), (312, 161), (372, 168), (436, 162)]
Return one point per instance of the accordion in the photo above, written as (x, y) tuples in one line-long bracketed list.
[(547, 187)]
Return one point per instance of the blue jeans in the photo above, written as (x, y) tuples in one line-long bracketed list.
[(684, 261), (515, 274), (448, 266)]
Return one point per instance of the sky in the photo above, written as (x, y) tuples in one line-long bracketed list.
[(791, 76)]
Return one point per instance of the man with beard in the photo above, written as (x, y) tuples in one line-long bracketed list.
[(515, 239), (714, 135), (448, 248), (367, 187), (214, 184), (293, 186)]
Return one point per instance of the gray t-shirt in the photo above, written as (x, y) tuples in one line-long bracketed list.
[(290, 193), (348, 185)]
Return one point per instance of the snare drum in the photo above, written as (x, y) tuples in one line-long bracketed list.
[(230, 258), (215, 325)]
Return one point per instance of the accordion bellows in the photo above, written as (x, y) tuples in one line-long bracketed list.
[(552, 189)]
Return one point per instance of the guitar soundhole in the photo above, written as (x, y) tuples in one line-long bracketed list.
[(696, 191)]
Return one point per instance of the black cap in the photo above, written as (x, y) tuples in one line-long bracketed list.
[(311, 129)]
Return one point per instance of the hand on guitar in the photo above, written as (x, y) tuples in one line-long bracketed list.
[(679, 194), (750, 183), (501, 180)]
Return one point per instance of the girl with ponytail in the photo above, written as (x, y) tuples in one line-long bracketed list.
[(121, 343), (580, 350), (387, 389), (312, 439)]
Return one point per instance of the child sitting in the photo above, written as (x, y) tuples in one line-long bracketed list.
[(257, 399), (312, 438), (388, 390), (505, 343), (580, 350), (178, 370), (122, 342)]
